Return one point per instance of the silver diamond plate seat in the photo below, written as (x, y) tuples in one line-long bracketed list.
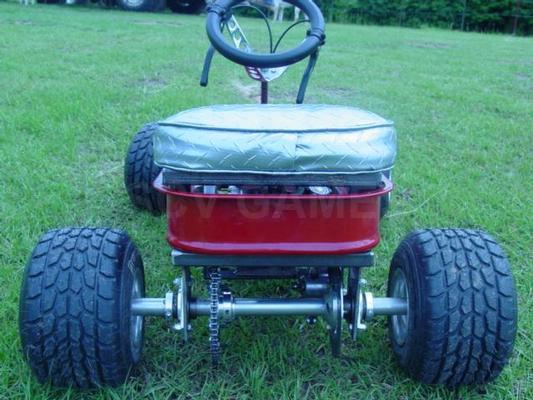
[(276, 140)]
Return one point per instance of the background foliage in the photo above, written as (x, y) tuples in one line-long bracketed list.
[(77, 82), (510, 16)]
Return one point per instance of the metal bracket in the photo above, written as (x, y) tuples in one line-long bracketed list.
[(355, 260), (177, 305), (352, 300), (169, 306), (240, 42), (360, 310), (369, 306)]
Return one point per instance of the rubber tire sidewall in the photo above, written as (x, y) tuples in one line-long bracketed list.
[(410, 353), (462, 318), (132, 259), (127, 262), (141, 192)]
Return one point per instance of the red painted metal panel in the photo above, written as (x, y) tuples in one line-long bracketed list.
[(273, 224)]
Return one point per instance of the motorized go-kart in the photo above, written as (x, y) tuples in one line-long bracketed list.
[(266, 191)]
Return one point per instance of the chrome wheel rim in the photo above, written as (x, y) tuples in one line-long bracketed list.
[(136, 321), (400, 323)]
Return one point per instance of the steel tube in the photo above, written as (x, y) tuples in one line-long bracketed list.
[(389, 306), (257, 306), (148, 306), (264, 92), (262, 306)]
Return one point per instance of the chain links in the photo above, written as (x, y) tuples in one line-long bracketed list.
[(214, 324)]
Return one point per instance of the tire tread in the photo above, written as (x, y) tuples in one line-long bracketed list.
[(470, 310), (64, 336), (140, 172)]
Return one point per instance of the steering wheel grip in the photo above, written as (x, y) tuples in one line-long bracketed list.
[(220, 10)]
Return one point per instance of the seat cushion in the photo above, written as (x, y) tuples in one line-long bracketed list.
[(276, 139)]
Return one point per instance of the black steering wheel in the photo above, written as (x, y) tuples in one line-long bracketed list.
[(219, 12)]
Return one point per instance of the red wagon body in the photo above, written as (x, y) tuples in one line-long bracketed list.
[(273, 224)]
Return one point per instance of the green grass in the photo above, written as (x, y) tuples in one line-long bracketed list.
[(76, 83)]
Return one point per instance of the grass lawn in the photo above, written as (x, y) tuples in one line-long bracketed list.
[(76, 83)]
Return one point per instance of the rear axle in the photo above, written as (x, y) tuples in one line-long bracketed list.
[(235, 307)]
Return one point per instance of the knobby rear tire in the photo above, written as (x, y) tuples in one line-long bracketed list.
[(75, 319), (462, 319)]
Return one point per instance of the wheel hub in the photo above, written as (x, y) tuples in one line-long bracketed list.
[(136, 321), (400, 322)]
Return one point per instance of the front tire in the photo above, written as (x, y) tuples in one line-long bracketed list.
[(462, 318), (140, 172), (76, 325)]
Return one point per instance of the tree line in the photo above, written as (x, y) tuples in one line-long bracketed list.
[(505, 16)]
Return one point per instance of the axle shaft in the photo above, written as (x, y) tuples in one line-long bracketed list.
[(373, 306), (149, 306), (264, 306), (389, 306)]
